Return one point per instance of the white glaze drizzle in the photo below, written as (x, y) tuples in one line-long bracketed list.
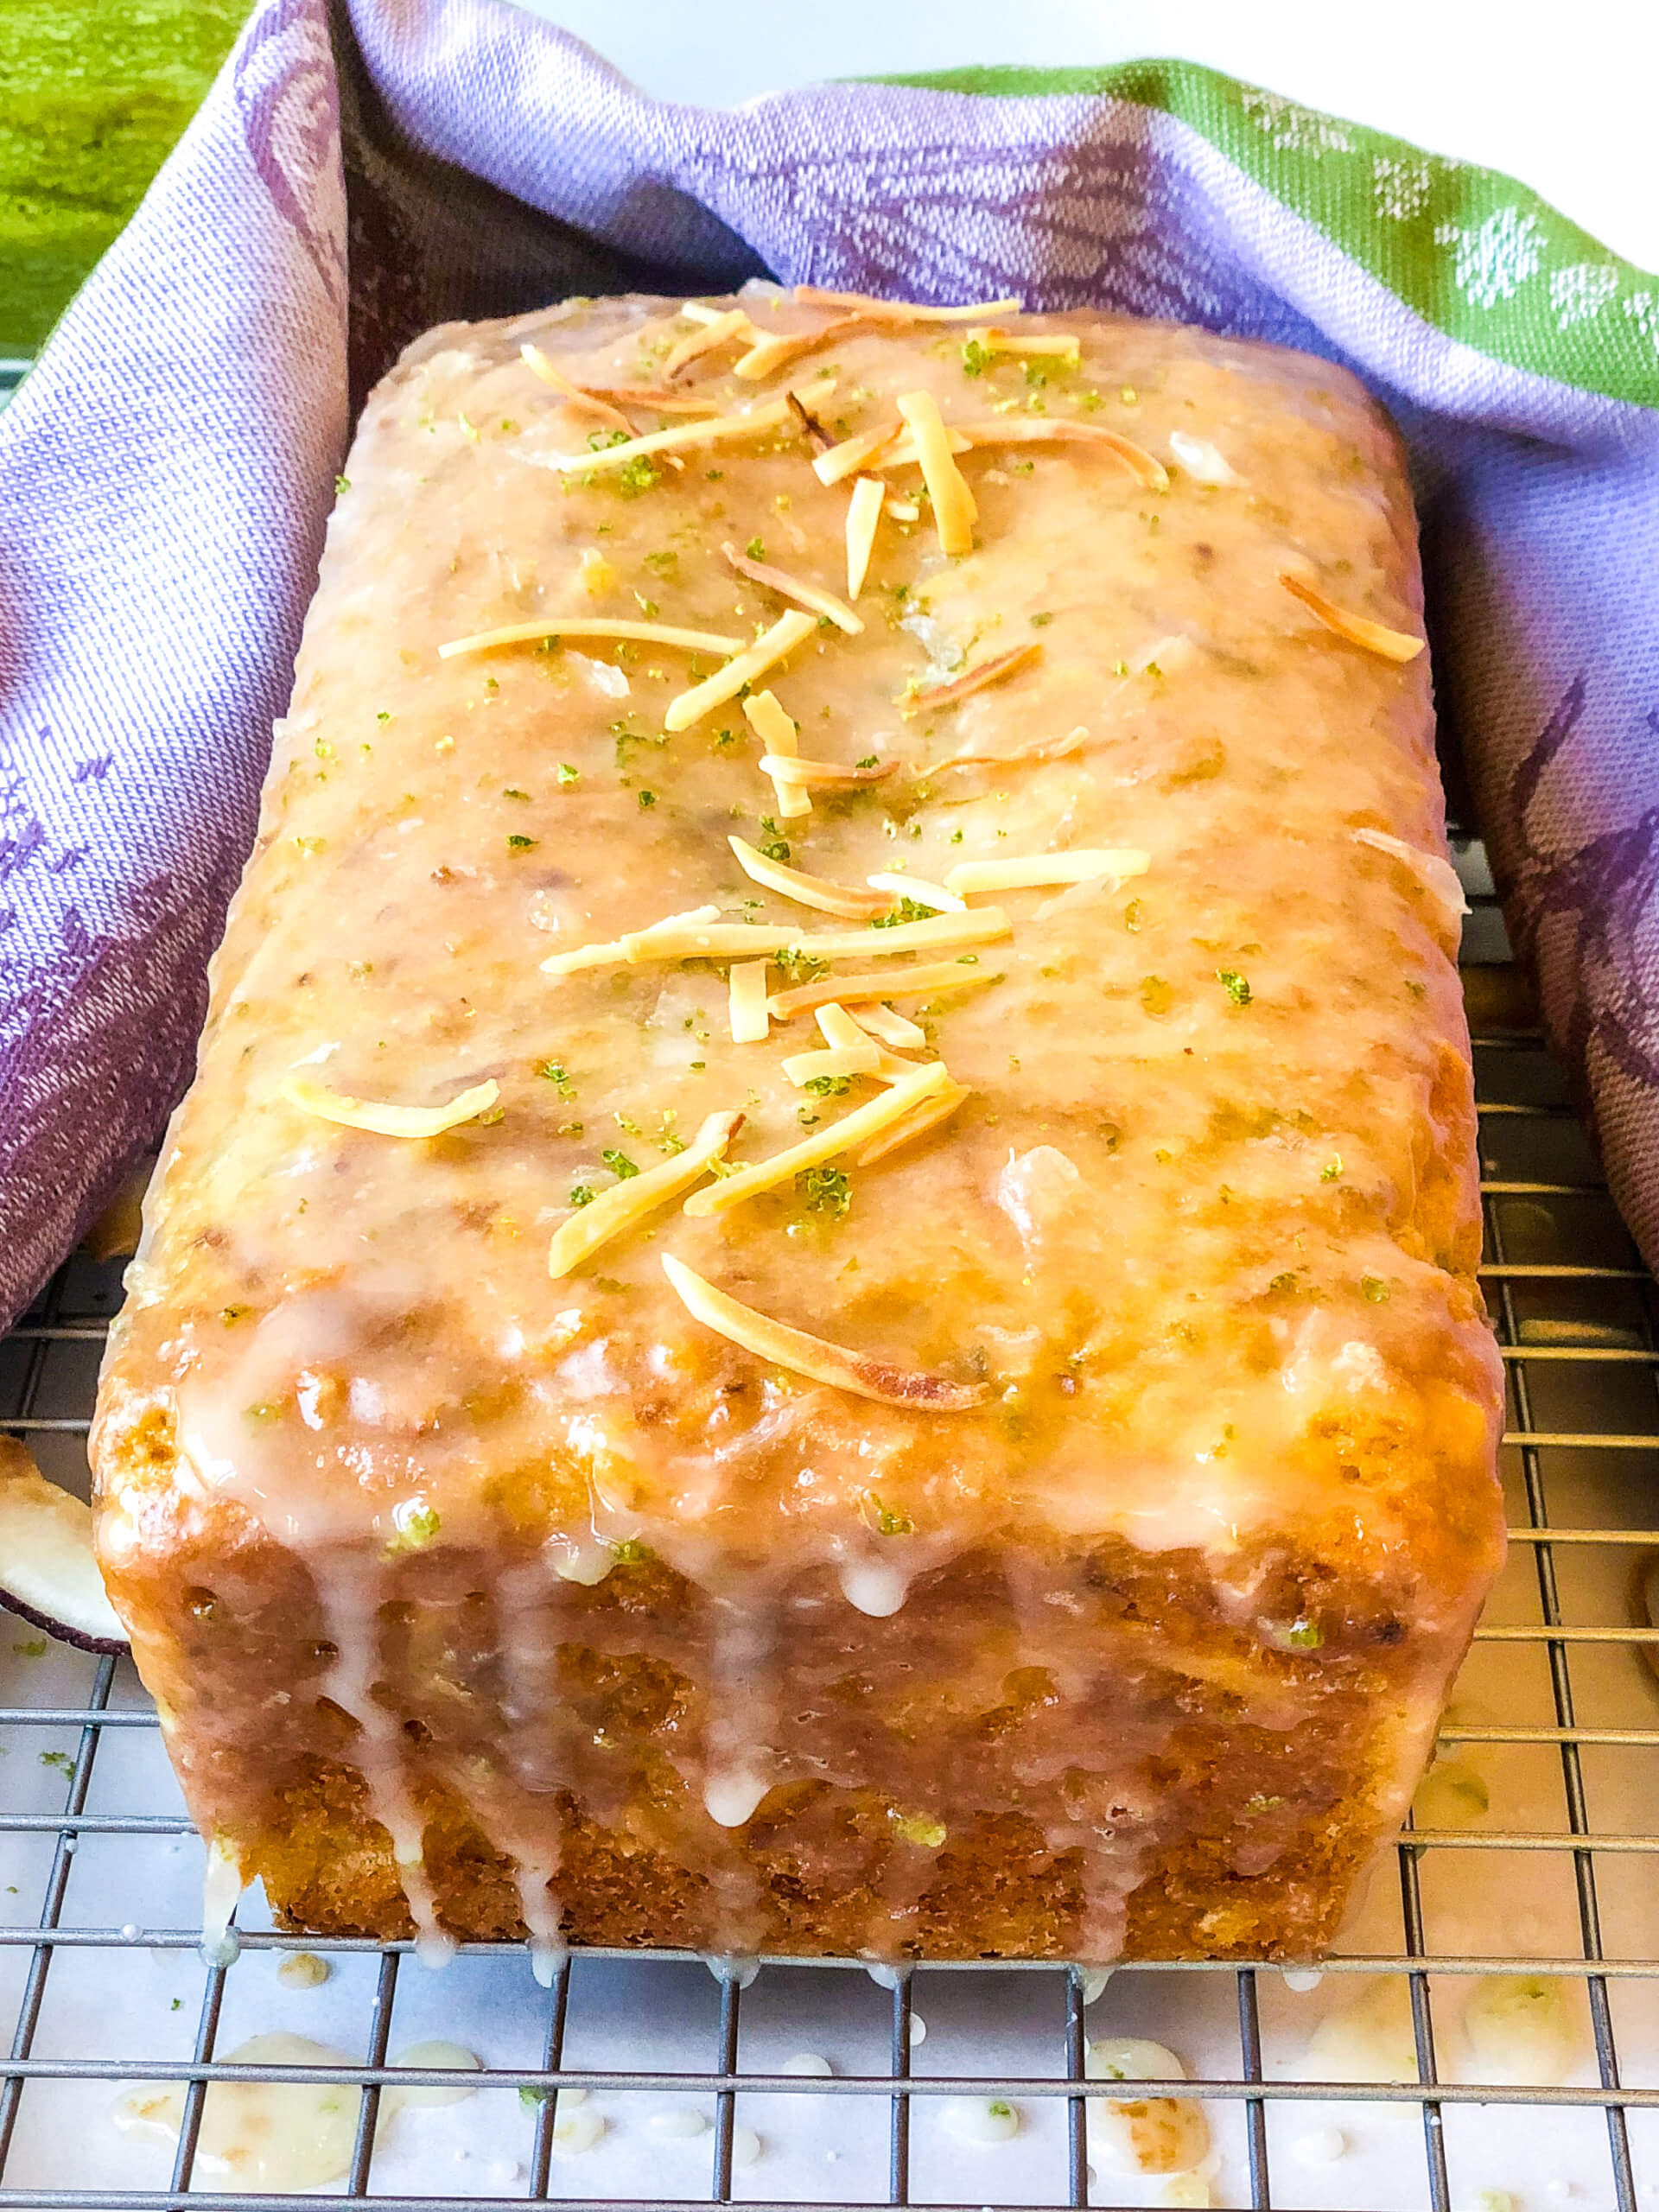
[(731, 1797), (677, 2123), (346, 1598), (526, 1639), (221, 1891), (737, 1757), (732, 1966), (284, 2136), (548, 1950)]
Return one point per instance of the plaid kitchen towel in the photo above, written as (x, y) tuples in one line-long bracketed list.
[(360, 172)]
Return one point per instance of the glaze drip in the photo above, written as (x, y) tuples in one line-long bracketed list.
[(222, 1885), (382, 1758)]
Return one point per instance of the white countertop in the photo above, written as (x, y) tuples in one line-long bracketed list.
[(1571, 114)]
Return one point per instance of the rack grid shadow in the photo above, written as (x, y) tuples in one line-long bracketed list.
[(1564, 1690)]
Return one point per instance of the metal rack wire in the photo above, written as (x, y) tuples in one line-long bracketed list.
[(1564, 1652)]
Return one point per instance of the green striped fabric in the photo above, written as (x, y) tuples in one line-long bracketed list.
[(1475, 253)]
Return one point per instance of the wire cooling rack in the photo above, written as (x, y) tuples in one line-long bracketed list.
[(1530, 1853)]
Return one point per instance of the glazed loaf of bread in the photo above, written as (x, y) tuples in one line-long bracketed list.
[(818, 1291)]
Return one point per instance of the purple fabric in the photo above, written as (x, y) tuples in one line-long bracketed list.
[(166, 469)]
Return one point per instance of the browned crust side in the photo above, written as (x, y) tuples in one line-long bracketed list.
[(818, 1869), (998, 1893)]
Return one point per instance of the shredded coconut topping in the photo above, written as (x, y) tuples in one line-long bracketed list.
[(1357, 629), (382, 1118), (794, 1349)]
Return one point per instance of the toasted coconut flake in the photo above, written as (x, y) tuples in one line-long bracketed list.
[(914, 886), (775, 350), (785, 633), (891, 1065), (605, 1216), (841, 1032), (716, 940), (849, 1050), (922, 982), (707, 338), (844, 1035), (903, 310), (976, 926), (816, 435), (702, 936), (979, 678), (1039, 748), (905, 453), (1357, 629), (973, 925), (919, 1120), (1437, 875), (836, 1025), (383, 1119), (813, 596), (854, 453), (1050, 430), (751, 1023), (606, 955), (889, 1028), (852, 1129), (709, 432), (592, 626), (537, 363), (862, 1058), (1033, 871), (863, 513), (954, 510), (47, 1573), (991, 338), (822, 775), (770, 721), (775, 726), (843, 899), (1144, 467), (656, 396), (821, 1362)]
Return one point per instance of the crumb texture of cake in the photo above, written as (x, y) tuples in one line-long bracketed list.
[(817, 1293)]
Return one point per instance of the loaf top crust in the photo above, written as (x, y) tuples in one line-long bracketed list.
[(1203, 1235)]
